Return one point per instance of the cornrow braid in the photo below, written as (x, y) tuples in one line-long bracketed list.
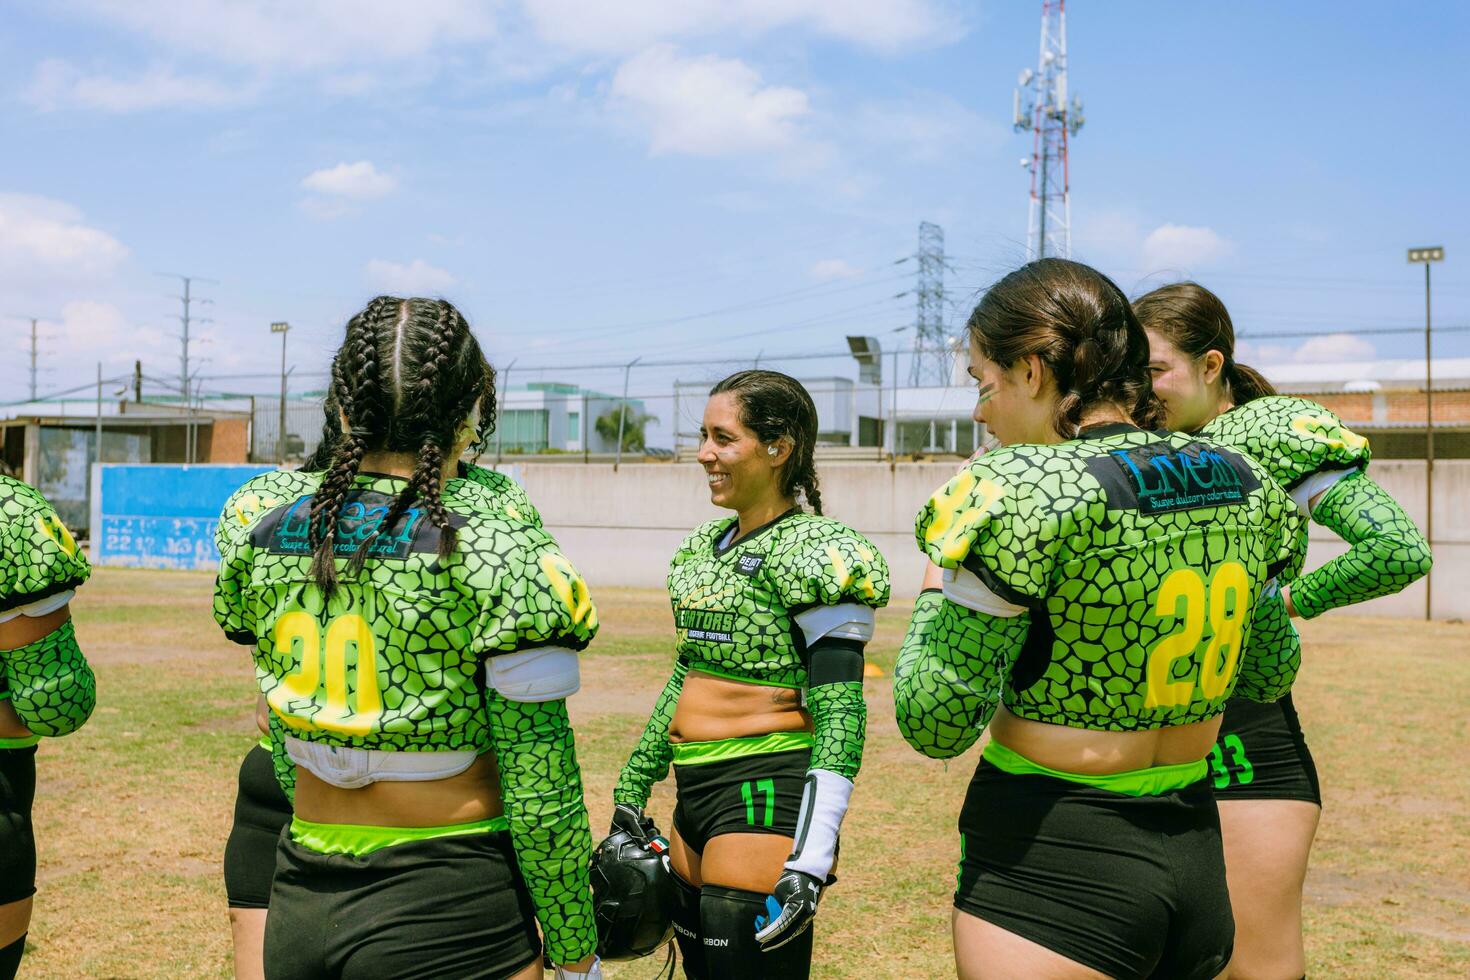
[(408, 375)]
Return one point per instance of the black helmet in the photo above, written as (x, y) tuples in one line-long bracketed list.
[(632, 896)]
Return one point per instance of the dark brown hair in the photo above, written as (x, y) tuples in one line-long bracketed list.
[(1080, 324), (1196, 322), (408, 373), (773, 405)]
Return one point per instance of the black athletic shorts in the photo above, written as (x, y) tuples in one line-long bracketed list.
[(1132, 886), (17, 837), (1261, 755), (261, 810), (753, 794), (447, 908)]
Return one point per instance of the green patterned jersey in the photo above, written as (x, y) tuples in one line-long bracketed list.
[(1131, 560), (735, 608), (39, 558), (393, 661), (1293, 438), (1304, 446), (734, 603)]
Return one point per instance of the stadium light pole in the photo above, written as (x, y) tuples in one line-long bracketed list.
[(1427, 256), (282, 327)]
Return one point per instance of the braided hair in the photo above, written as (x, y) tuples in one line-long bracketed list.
[(1196, 322), (408, 374), (1081, 326), (773, 405)]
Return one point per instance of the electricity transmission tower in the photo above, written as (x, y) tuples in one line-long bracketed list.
[(185, 378), (931, 361), (1044, 110)]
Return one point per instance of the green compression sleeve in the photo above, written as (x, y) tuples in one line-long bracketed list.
[(1386, 551), (840, 720), (282, 764), (541, 785), (1272, 653), (649, 762), (51, 685), (950, 671)]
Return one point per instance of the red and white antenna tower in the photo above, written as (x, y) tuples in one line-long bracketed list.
[(1044, 110)]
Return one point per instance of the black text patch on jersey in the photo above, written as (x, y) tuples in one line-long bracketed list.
[(1159, 478), (286, 530), (749, 564), (713, 625)]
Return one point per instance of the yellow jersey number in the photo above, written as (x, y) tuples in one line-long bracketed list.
[(1219, 656), (300, 631)]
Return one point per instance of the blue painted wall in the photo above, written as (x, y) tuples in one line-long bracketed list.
[(160, 515)]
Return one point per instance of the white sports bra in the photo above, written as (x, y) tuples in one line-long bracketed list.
[(349, 768)]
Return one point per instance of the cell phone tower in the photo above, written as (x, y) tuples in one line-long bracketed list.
[(1041, 106)]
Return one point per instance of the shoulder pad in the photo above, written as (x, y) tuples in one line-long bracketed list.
[(1292, 437), (39, 557), (993, 518), (259, 496), (822, 562)]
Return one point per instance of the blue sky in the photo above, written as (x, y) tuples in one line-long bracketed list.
[(701, 180)]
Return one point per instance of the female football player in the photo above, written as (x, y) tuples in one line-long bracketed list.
[(763, 717), (1091, 585), (1264, 777), (417, 642), (46, 687)]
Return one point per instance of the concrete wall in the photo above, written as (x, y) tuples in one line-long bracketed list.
[(621, 528)]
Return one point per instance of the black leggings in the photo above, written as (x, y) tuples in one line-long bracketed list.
[(17, 836), (261, 810)]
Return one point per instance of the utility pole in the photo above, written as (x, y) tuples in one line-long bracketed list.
[(33, 358), (623, 410), (1051, 119), (1428, 256), (931, 360), (187, 319), (282, 327)]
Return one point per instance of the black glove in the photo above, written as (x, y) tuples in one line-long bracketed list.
[(631, 820), (790, 909)]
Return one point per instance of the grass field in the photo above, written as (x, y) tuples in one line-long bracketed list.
[(132, 812)]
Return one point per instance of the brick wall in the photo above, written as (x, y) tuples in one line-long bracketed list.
[(227, 441)]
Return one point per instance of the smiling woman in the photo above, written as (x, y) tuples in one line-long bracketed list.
[(763, 718)]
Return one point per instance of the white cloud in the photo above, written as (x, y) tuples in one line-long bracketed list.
[(359, 181), (1182, 247), (46, 239), (417, 278), (305, 34), (629, 25), (1335, 347), (707, 105), (58, 84), (824, 270), (927, 129)]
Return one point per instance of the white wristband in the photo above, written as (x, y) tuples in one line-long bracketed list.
[(823, 805), (593, 972)]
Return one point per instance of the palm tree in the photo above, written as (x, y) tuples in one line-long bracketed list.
[(634, 424)]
